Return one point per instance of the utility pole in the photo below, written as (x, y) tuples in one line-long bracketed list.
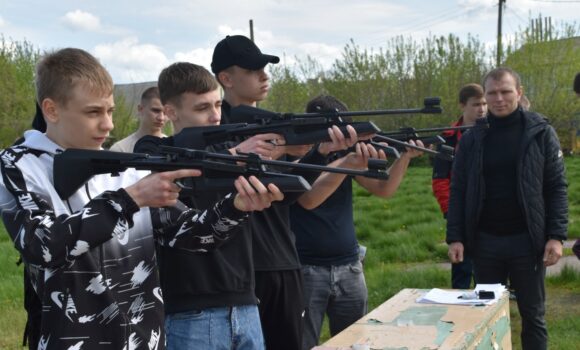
[(252, 29), (499, 20)]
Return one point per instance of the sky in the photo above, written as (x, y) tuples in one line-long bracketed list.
[(134, 40)]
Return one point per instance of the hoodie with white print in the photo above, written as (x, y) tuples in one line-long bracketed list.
[(92, 255)]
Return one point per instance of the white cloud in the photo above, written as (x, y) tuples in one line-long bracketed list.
[(80, 20), (201, 57), (2, 21), (129, 61)]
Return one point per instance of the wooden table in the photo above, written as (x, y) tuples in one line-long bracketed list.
[(402, 323)]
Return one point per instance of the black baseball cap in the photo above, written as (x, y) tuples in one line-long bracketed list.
[(237, 50)]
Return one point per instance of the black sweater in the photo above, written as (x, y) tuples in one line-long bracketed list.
[(273, 241), (502, 213), (224, 277)]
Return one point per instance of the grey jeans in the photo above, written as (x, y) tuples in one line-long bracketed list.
[(338, 291)]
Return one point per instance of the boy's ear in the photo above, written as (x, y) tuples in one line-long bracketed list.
[(49, 110), (169, 111), (225, 79)]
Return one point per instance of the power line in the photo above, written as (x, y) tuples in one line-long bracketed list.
[(420, 24)]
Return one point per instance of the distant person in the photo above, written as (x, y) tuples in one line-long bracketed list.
[(334, 282), (473, 107), (151, 117), (508, 207)]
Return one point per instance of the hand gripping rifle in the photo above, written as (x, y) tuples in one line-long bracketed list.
[(219, 171)]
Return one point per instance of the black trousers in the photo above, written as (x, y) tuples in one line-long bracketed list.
[(462, 273), (497, 258), (281, 306)]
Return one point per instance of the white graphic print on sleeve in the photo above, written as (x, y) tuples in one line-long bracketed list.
[(97, 285), (157, 293), (182, 229), (80, 248), (140, 274), (86, 319), (43, 343), (154, 340), (133, 342), (109, 313), (115, 205), (121, 231), (85, 213), (70, 309), (46, 254), (77, 346), (136, 309), (27, 202), (224, 224)]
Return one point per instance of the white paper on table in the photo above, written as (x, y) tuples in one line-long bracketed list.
[(440, 296)]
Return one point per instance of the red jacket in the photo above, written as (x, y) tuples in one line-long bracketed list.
[(442, 169)]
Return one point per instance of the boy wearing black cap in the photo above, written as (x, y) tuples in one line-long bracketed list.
[(239, 67)]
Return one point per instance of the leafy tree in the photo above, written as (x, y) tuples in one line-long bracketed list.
[(17, 61)]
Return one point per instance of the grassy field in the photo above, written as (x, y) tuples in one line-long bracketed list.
[(405, 240)]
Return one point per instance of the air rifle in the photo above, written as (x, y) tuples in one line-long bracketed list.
[(247, 114), (409, 133), (219, 171), (299, 131)]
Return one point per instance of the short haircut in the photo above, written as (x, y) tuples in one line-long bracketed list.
[(149, 94), (525, 103), (468, 91), (59, 72), (498, 73), (182, 77), (325, 103), (577, 83)]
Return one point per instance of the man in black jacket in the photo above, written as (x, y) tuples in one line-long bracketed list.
[(508, 205)]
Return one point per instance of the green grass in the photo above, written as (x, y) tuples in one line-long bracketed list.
[(12, 317), (405, 240)]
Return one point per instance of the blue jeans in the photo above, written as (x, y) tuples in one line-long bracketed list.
[(339, 291), (226, 328)]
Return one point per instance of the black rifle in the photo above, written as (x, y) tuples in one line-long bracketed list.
[(409, 133), (247, 114), (397, 146), (298, 128), (300, 131), (218, 174)]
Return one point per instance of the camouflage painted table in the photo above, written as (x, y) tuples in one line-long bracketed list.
[(402, 323)]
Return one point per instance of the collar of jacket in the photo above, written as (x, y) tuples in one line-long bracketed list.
[(533, 124)]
